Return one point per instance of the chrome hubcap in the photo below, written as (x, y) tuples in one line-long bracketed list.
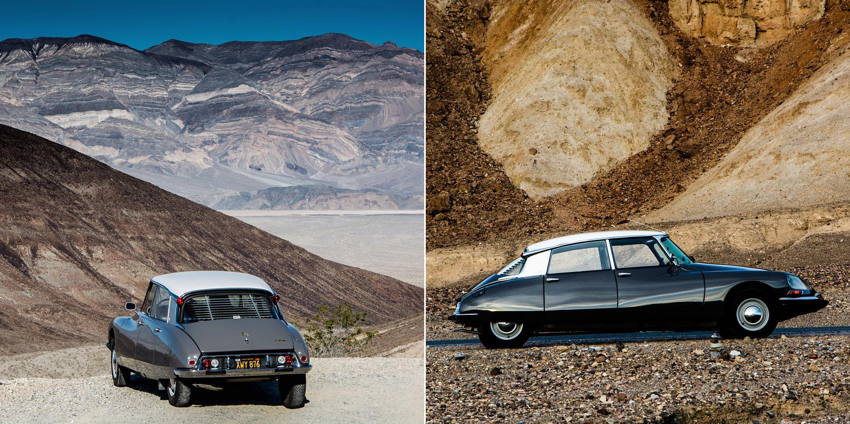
[(753, 314), (506, 330)]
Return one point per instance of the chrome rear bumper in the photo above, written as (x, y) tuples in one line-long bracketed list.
[(231, 373)]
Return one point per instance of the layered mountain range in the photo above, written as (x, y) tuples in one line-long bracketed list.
[(77, 239), (221, 124)]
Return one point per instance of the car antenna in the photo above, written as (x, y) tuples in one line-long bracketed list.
[(646, 225)]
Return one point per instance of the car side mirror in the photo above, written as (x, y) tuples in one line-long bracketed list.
[(130, 306), (691, 258)]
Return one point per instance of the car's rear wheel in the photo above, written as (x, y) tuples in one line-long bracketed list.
[(750, 314), (293, 390), (120, 375), (503, 334), (179, 393)]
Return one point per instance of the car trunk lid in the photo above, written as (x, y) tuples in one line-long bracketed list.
[(240, 335)]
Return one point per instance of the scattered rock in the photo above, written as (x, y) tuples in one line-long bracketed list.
[(440, 202), (495, 371), (459, 356)]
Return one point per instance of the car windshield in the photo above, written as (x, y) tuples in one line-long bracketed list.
[(227, 305), (680, 255)]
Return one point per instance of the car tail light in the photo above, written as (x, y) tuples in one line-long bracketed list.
[(206, 363), (305, 359), (287, 359), (192, 362), (215, 363), (179, 301), (795, 293), (275, 298)]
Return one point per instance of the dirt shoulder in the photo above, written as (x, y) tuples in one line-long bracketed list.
[(400, 339)]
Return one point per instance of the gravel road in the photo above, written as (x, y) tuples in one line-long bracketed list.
[(42, 388), (638, 337)]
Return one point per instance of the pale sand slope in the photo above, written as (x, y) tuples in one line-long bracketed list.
[(797, 156), (576, 87), (42, 388)]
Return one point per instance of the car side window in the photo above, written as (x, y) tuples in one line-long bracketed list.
[(591, 256), (160, 304), (638, 252), (146, 304)]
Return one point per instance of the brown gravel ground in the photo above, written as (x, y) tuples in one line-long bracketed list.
[(776, 380)]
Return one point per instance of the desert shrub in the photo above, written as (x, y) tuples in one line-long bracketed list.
[(336, 331)]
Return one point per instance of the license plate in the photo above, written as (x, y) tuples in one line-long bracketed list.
[(245, 363)]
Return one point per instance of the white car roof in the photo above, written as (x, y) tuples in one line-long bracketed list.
[(583, 237), (181, 283)]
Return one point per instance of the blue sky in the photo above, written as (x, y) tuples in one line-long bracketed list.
[(142, 24)]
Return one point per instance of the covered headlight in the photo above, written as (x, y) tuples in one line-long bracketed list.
[(796, 283)]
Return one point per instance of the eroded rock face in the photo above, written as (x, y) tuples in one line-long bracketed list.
[(577, 86), (755, 23), (797, 156)]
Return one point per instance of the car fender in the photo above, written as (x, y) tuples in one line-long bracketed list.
[(299, 345), (121, 340), (181, 348)]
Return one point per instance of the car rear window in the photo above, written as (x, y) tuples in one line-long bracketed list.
[(228, 305)]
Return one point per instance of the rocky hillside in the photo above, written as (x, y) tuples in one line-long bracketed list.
[(211, 121), (796, 156), (78, 239), (542, 134)]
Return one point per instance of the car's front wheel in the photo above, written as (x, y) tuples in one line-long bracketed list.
[(179, 393), (120, 375), (293, 390), (503, 334), (750, 314)]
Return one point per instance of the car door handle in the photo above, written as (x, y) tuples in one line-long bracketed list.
[(624, 274), (551, 280), (157, 330), (140, 322)]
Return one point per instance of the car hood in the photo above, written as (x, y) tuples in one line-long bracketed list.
[(229, 335), (721, 268)]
